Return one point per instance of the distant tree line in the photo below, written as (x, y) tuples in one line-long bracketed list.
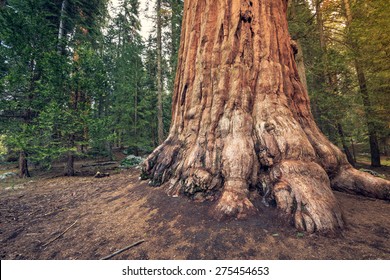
[(77, 78), (343, 49)]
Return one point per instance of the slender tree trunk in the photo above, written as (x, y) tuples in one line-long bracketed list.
[(329, 79), (160, 123), (385, 141), (241, 121), (175, 35), (373, 138), (74, 106), (136, 112), (61, 28), (353, 150), (173, 49), (350, 158), (320, 79), (3, 3), (325, 79), (108, 147), (28, 116), (320, 28), (299, 59), (297, 48), (23, 166), (69, 168)]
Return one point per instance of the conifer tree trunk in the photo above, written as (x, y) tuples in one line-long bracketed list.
[(241, 121), (328, 78), (298, 51), (61, 28), (347, 152), (69, 168), (373, 137), (160, 123), (3, 3), (176, 10), (28, 117), (23, 166), (299, 59)]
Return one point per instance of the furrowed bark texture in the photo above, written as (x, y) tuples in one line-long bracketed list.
[(241, 121)]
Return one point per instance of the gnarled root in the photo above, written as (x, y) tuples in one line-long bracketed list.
[(303, 191), (157, 166), (234, 201), (354, 181)]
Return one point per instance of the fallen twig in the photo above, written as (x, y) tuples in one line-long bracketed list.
[(61, 234), (122, 250), (32, 233), (50, 213), (100, 164)]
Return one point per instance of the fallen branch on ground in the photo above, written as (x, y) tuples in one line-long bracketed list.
[(101, 175), (55, 211), (122, 250), (61, 234), (99, 164)]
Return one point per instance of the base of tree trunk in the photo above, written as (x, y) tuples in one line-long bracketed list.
[(374, 149), (241, 121), (300, 189), (23, 165), (69, 168)]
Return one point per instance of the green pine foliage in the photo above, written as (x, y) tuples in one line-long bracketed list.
[(370, 30), (332, 81), (90, 87)]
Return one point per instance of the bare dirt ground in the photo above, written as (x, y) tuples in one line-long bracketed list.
[(114, 212)]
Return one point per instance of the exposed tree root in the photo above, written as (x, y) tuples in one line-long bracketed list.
[(234, 201), (158, 166), (354, 181), (303, 191)]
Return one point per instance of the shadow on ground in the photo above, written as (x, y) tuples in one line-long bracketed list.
[(116, 211)]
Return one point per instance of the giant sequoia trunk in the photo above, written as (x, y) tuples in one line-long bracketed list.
[(241, 121)]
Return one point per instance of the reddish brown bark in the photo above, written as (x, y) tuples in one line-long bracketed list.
[(241, 121)]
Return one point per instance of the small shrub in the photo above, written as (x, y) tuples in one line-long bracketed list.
[(131, 161)]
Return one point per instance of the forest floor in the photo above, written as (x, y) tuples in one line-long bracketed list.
[(96, 217)]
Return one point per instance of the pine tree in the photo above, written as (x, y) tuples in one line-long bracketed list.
[(26, 39), (47, 49)]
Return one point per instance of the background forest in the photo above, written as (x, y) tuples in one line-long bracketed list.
[(78, 79)]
